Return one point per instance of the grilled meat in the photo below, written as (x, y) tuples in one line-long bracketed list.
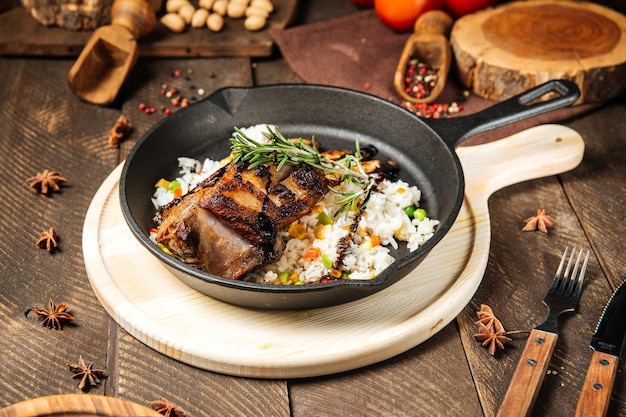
[(231, 222)]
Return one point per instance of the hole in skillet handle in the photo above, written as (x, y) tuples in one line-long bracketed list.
[(541, 99)]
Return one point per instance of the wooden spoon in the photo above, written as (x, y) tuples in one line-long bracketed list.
[(107, 58), (429, 44)]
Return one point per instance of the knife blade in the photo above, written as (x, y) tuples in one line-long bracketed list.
[(607, 343)]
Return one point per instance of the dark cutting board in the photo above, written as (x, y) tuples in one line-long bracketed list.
[(21, 34)]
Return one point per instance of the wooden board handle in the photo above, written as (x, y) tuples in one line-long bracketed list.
[(529, 374), (596, 393)]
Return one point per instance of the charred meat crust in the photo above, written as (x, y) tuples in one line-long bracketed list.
[(232, 221)]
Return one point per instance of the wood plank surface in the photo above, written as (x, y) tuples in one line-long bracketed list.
[(45, 126)]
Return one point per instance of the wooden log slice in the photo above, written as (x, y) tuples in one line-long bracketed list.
[(506, 50)]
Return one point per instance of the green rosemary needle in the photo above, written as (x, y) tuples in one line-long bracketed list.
[(281, 151)]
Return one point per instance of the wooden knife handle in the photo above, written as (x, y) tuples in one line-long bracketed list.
[(596, 394), (529, 374)]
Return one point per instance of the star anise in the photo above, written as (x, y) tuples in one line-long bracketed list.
[(163, 406), (47, 181), (541, 221), (89, 377), (119, 130), (54, 315), (491, 333), (48, 240), (491, 339), (486, 317)]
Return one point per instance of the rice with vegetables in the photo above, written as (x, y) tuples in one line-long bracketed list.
[(322, 246)]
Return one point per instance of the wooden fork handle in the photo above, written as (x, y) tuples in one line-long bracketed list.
[(529, 374), (596, 394)]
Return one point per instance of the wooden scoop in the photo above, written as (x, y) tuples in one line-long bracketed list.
[(107, 58), (429, 44)]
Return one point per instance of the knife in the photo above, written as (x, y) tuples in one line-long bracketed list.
[(607, 344)]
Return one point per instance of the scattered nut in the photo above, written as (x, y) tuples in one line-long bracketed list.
[(257, 11), (220, 7), (173, 22), (174, 5), (236, 10), (186, 12), (211, 13), (206, 4), (262, 4), (199, 18), (215, 22), (254, 23)]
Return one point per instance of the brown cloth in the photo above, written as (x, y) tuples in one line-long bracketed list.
[(359, 52)]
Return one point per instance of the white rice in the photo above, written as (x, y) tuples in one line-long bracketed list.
[(383, 223)]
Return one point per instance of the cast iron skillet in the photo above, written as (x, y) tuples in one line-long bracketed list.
[(424, 149)]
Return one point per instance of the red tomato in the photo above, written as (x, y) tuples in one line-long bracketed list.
[(400, 15), (364, 3), (458, 8)]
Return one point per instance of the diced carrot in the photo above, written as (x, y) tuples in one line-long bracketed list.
[(178, 192), (375, 240), (311, 254)]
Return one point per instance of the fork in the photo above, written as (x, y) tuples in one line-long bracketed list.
[(562, 297)]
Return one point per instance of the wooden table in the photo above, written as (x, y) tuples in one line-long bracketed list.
[(44, 126)]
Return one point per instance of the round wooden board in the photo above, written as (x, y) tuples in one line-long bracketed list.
[(77, 405), (147, 300), (503, 51)]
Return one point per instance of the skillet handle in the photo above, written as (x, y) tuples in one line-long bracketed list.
[(456, 130)]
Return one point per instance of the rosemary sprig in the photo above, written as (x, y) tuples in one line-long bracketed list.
[(281, 151)]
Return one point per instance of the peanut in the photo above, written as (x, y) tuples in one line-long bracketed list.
[(262, 4), (173, 22), (174, 5), (199, 18), (235, 10), (186, 12), (215, 22), (220, 6), (205, 4), (254, 23), (255, 11)]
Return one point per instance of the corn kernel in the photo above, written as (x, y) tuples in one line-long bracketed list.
[(335, 273), (321, 231), (297, 231), (162, 183), (294, 277)]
